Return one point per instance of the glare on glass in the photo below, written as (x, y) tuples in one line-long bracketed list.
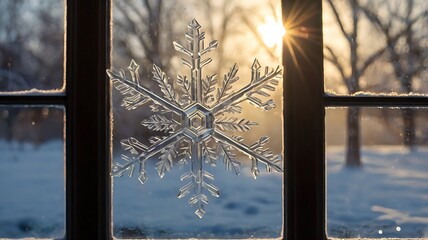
[(32, 180), (188, 115), (381, 192), (375, 47), (32, 47)]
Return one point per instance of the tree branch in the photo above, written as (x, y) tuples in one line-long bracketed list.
[(339, 20), (335, 60), (370, 60)]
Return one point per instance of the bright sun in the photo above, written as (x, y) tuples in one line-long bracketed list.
[(271, 31)]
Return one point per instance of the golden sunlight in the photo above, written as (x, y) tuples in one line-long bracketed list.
[(271, 31)]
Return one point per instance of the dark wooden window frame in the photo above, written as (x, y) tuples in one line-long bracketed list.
[(87, 121), (86, 103), (305, 103)]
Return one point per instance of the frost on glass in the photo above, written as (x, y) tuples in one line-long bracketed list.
[(194, 120), (32, 46), (385, 195), (32, 177), (375, 47)]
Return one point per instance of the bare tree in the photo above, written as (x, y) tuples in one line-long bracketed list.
[(11, 54), (31, 56), (30, 40), (145, 30), (404, 49), (252, 25), (357, 64), (226, 27), (139, 32)]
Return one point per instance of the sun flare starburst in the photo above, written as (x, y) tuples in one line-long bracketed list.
[(271, 31)]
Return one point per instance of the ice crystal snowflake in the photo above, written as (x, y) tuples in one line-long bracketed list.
[(198, 136)]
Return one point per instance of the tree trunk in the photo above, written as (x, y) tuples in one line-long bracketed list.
[(408, 115), (353, 138), (409, 136)]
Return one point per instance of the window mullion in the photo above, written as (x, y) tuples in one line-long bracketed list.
[(304, 119), (87, 116)]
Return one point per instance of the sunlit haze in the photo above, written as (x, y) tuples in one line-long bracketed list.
[(271, 31)]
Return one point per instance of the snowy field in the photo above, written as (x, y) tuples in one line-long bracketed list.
[(32, 202), (246, 207), (386, 197)]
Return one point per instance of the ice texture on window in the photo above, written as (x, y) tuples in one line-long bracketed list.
[(194, 120)]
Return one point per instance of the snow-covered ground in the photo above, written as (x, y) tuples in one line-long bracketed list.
[(386, 197), (246, 207), (32, 202)]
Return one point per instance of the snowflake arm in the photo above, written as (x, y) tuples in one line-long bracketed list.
[(160, 123), (208, 87), (198, 181), (257, 81), (132, 99), (150, 152), (227, 82), (229, 158), (165, 160), (234, 124), (184, 84), (194, 52), (198, 184), (269, 161), (209, 153), (133, 145), (115, 75), (160, 77)]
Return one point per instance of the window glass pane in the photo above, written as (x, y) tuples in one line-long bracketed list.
[(187, 127), (375, 47), (31, 46), (377, 188), (32, 181)]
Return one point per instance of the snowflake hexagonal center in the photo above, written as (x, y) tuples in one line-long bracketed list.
[(198, 122)]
